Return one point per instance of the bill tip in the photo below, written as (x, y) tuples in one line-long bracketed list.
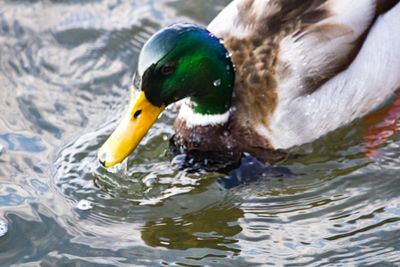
[(102, 159)]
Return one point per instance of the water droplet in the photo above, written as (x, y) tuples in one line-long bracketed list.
[(150, 179), (84, 205), (221, 40), (165, 137), (228, 54), (217, 83), (3, 228)]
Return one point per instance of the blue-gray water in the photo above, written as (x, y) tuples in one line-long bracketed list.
[(65, 70)]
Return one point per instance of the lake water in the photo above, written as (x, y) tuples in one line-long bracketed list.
[(65, 72)]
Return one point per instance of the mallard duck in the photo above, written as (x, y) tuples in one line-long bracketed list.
[(264, 75)]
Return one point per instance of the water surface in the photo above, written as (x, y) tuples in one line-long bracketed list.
[(65, 72)]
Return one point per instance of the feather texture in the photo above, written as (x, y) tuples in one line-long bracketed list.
[(306, 67)]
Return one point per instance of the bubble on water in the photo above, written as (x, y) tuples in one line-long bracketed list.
[(84, 205), (120, 168), (3, 228), (150, 179), (217, 83)]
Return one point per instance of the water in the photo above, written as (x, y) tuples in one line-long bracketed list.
[(65, 70)]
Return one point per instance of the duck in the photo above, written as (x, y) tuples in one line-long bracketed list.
[(263, 76)]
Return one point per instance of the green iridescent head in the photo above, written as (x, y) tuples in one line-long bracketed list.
[(182, 60), (185, 60)]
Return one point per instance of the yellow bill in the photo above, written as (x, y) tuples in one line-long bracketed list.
[(130, 131)]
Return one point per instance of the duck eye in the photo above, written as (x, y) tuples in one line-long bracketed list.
[(168, 68)]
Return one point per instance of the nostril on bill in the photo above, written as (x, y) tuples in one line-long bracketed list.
[(137, 113)]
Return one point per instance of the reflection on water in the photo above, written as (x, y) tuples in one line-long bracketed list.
[(65, 70), (213, 227)]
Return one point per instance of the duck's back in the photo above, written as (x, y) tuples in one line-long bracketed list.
[(285, 50)]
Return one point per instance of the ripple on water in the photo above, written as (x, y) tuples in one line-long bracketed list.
[(148, 179), (19, 142), (340, 209), (69, 69)]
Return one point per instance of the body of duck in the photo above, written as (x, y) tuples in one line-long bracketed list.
[(264, 75)]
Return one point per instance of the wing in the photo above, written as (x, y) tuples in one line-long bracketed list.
[(313, 39), (287, 50), (322, 47), (365, 84)]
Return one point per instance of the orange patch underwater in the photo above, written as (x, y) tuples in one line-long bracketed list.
[(381, 125)]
